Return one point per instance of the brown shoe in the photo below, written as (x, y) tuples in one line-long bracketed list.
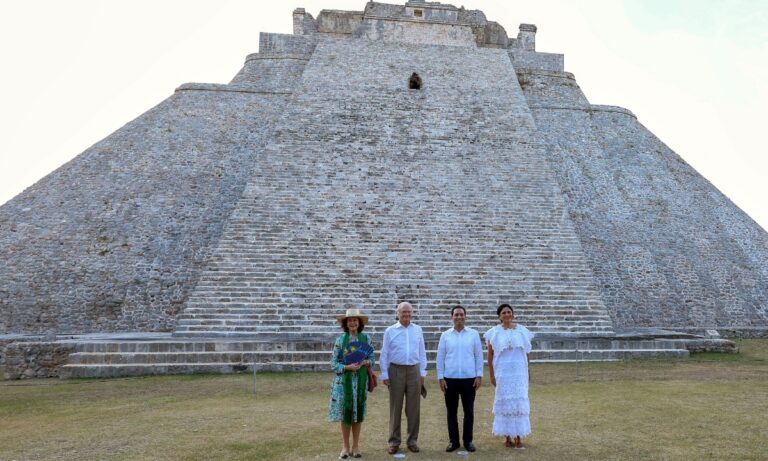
[(392, 449), (413, 448)]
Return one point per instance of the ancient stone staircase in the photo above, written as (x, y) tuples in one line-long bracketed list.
[(372, 193)]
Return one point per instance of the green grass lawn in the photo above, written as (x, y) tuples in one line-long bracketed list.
[(711, 406)]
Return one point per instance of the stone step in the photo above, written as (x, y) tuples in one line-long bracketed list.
[(392, 272), (332, 308), (441, 318), (103, 370), (563, 308), (251, 333), (309, 328), (265, 295), (339, 283), (324, 344), (481, 267), (372, 285), (384, 314), (551, 259), (323, 356), (541, 303), (279, 325), (329, 312), (379, 314)]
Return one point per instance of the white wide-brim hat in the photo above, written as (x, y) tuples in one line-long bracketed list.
[(353, 313)]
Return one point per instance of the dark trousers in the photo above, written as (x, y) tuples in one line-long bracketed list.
[(464, 389)]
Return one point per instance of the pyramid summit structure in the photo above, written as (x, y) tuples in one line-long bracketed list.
[(403, 152)]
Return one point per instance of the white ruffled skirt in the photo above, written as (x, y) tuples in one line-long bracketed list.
[(511, 407)]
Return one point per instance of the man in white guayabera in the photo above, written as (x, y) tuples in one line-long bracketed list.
[(403, 369), (460, 372)]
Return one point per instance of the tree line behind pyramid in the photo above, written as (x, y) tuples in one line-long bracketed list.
[(410, 152)]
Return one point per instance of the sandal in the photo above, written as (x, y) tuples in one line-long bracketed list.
[(357, 455), (508, 443), (344, 456)]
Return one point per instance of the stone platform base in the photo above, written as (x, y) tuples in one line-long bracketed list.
[(136, 354)]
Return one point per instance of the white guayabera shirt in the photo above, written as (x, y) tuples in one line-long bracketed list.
[(403, 346), (460, 354)]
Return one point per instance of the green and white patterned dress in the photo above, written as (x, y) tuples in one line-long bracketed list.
[(336, 404)]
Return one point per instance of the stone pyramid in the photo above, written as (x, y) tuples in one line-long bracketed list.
[(404, 152)]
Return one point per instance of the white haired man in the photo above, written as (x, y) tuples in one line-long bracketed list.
[(403, 364)]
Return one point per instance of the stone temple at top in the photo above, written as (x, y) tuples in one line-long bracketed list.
[(411, 152)]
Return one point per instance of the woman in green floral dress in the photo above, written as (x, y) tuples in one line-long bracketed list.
[(350, 384)]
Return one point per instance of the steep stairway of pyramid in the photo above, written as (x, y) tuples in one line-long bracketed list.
[(371, 193)]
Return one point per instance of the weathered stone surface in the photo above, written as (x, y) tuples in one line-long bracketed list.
[(377, 193), (339, 22), (668, 248), (114, 239), (36, 359)]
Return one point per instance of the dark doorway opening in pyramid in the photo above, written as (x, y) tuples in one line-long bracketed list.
[(414, 83)]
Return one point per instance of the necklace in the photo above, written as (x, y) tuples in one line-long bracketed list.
[(509, 333)]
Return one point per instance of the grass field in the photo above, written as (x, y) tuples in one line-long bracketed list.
[(711, 406)]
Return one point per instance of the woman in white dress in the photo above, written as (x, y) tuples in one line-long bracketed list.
[(509, 348)]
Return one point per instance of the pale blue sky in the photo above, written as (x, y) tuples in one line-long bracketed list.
[(692, 70), (735, 20)]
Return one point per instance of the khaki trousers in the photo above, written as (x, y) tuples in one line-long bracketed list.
[(404, 383)]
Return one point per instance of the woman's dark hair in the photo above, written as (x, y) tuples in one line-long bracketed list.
[(458, 306), (360, 324), (501, 308)]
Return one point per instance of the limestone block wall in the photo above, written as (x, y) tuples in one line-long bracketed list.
[(415, 22), (339, 22), (114, 239), (303, 22), (669, 250), (286, 44), (523, 59), (36, 359), (277, 66), (384, 10), (548, 89), (474, 17), (712, 254), (372, 193), (432, 12), (272, 72), (413, 31), (492, 34)]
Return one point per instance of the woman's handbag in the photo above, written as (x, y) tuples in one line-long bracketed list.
[(372, 383)]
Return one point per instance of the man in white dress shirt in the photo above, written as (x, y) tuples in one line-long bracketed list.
[(403, 364), (460, 372)]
